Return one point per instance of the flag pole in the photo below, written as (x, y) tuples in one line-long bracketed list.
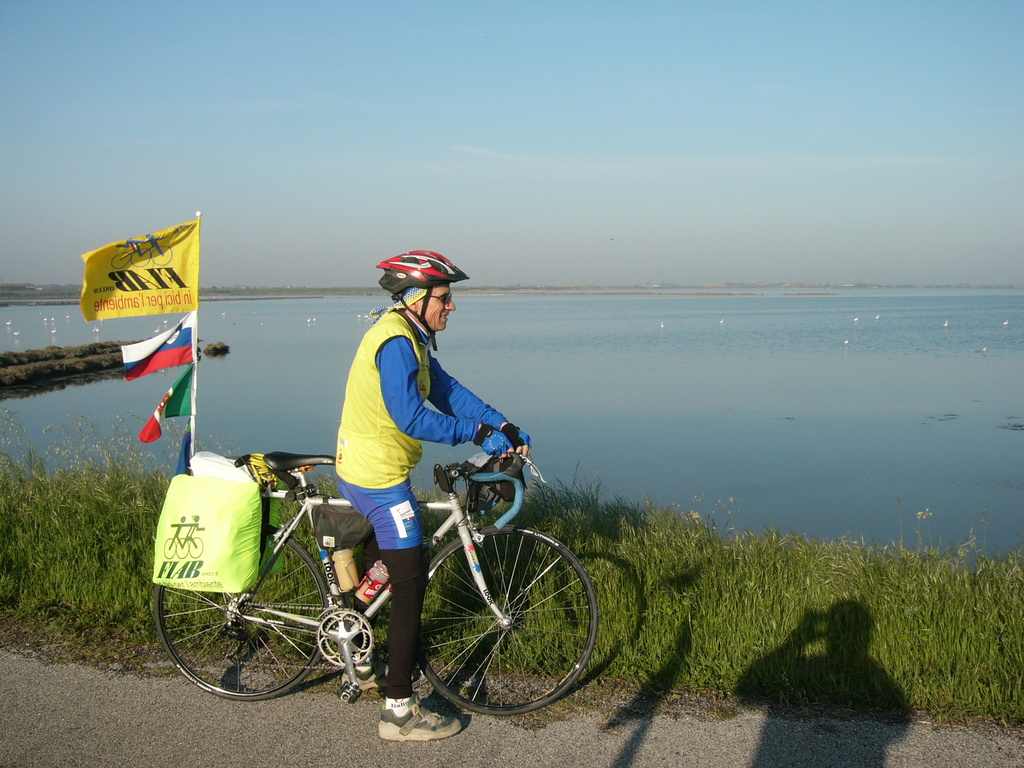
[(195, 340)]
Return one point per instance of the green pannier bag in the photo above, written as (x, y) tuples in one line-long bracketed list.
[(208, 536)]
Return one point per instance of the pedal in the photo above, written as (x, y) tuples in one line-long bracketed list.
[(350, 693)]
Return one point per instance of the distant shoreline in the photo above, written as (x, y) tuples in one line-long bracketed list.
[(58, 297), (60, 302)]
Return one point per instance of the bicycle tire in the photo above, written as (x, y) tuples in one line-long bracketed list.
[(474, 662), (122, 260), (164, 257), (246, 660), (171, 550)]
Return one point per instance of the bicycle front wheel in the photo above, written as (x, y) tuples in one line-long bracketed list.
[(252, 653), (477, 663)]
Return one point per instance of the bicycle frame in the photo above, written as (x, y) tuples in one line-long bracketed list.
[(457, 518), (509, 619)]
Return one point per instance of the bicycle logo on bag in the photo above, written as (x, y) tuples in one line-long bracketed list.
[(182, 551), (184, 544)]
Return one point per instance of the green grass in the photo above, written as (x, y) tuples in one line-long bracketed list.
[(76, 542), (683, 607), (794, 620)]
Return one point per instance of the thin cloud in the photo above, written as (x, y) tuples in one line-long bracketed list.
[(731, 164), (493, 154)]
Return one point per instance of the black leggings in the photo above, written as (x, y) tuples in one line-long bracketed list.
[(407, 575)]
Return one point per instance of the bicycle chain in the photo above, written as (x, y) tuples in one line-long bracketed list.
[(318, 608)]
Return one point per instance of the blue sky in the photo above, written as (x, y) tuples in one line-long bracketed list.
[(533, 143)]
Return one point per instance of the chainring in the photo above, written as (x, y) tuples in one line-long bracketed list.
[(339, 625)]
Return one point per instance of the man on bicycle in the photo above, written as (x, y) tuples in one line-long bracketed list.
[(384, 419)]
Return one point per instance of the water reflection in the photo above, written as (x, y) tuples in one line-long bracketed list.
[(77, 380)]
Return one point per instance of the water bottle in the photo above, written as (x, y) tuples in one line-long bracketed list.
[(373, 582), (345, 569)]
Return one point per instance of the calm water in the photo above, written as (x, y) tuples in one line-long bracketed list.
[(832, 416)]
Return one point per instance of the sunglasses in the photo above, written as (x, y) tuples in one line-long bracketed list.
[(444, 298)]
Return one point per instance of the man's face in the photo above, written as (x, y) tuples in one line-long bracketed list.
[(439, 304)]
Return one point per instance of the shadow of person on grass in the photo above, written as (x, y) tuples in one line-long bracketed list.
[(825, 660), (644, 705)]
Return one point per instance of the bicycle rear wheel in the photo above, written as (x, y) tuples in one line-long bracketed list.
[(240, 658), (475, 662)]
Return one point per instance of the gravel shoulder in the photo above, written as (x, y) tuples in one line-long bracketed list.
[(141, 713)]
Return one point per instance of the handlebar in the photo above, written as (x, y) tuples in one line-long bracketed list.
[(501, 477), (517, 484)]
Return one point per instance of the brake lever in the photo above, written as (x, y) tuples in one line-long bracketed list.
[(534, 470)]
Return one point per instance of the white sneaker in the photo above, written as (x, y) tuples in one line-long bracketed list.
[(417, 724)]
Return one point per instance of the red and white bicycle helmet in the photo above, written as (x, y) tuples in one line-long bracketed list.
[(418, 269)]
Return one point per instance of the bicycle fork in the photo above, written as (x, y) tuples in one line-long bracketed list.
[(469, 542)]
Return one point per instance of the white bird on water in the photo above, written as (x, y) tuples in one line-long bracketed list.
[(946, 324)]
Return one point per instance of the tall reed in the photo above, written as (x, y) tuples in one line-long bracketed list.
[(76, 541)]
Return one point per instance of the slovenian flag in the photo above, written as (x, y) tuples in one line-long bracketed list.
[(172, 347), (177, 402)]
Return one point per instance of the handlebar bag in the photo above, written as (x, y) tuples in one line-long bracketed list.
[(482, 496), (208, 535)]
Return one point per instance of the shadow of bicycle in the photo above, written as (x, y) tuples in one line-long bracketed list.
[(643, 706)]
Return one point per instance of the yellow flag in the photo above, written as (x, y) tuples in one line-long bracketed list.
[(148, 275)]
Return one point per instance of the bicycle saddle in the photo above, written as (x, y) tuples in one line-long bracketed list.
[(283, 462)]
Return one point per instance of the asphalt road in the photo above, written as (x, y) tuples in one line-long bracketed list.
[(58, 715)]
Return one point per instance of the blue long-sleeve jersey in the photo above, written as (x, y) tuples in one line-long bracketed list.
[(459, 411)]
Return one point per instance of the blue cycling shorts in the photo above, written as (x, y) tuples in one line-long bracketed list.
[(393, 511)]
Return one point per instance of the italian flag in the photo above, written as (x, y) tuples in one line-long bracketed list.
[(177, 402)]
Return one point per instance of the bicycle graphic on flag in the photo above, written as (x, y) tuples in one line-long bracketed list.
[(143, 252)]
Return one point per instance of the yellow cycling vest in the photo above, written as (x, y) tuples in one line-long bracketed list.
[(372, 451)]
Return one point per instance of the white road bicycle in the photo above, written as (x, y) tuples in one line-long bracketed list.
[(510, 616)]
